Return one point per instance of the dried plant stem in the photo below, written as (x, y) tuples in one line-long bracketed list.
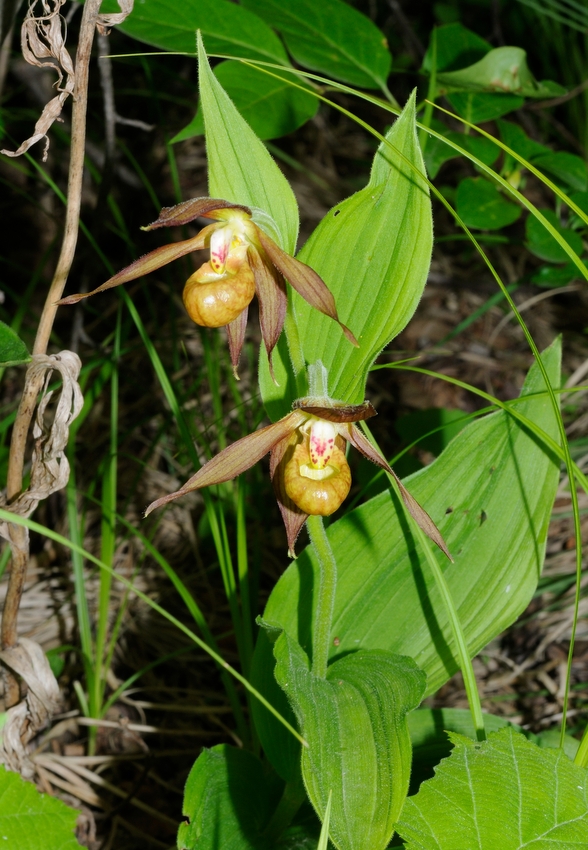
[(19, 543)]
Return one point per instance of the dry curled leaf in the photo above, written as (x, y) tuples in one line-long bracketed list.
[(42, 701), (43, 44), (49, 465)]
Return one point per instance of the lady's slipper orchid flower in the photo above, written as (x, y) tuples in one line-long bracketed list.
[(309, 471), (243, 261)]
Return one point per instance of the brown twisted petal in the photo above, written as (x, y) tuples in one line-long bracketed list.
[(273, 301), (236, 458), (236, 336), (317, 498), (304, 280), (419, 514), (187, 211), (336, 411), (293, 517), (215, 303), (148, 263)]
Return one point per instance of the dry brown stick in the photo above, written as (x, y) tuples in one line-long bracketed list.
[(25, 412)]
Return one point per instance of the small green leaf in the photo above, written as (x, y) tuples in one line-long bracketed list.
[(358, 742), (226, 27), (28, 818), (330, 37), (566, 167), (480, 205), (478, 108), (270, 106), (437, 152), (505, 792), (515, 138), (542, 244), (373, 251), (504, 69), (228, 801), (457, 47), (491, 494), (12, 349), (549, 276), (240, 168)]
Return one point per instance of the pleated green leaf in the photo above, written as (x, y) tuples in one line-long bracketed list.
[(503, 793), (373, 251), (358, 741), (240, 169), (490, 493)]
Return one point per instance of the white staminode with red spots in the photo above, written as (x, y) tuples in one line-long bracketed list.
[(321, 446), (226, 238)]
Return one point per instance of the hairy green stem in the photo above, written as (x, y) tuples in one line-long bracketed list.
[(326, 595)]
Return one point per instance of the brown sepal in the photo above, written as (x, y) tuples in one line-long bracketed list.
[(305, 281), (419, 514), (147, 263), (335, 411), (187, 211), (236, 458), (273, 301)]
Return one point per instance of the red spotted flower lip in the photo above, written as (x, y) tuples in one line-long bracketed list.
[(239, 249)]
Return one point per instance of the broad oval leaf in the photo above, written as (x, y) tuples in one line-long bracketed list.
[(505, 792), (240, 168), (490, 493), (477, 108), (33, 820), (330, 37), (12, 349), (373, 251), (480, 205), (271, 106), (227, 28), (358, 741)]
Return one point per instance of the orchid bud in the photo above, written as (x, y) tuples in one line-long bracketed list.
[(212, 299)]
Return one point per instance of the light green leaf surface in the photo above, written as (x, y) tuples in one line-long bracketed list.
[(490, 493), (270, 106), (504, 69), (226, 27), (358, 742), (542, 244), (12, 349), (240, 168), (373, 251), (228, 801), (33, 821), (504, 793), (330, 37), (480, 205)]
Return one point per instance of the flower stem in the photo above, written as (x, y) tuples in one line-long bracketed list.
[(326, 595)]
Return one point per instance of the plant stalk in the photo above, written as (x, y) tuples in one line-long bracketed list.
[(321, 642), (19, 541)]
